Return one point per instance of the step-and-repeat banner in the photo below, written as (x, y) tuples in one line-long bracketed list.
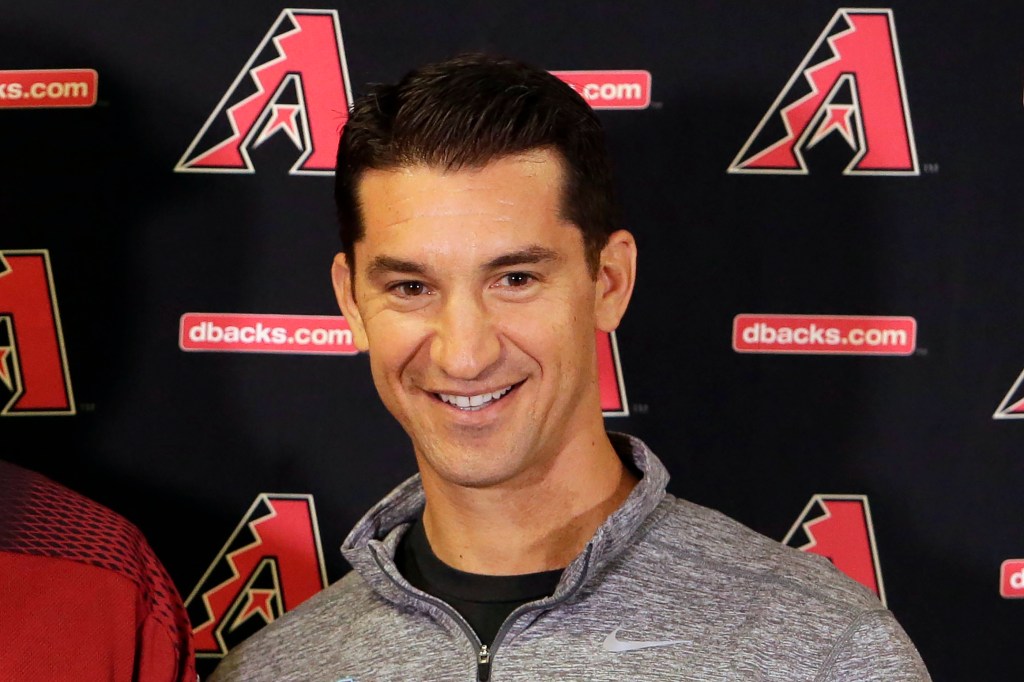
[(825, 342)]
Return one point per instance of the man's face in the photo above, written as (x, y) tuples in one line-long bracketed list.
[(475, 303)]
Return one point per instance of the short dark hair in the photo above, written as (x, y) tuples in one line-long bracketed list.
[(467, 111)]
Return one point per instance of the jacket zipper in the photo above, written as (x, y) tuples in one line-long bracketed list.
[(483, 664), (485, 654)]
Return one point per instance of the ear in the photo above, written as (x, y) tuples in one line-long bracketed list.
[(342, 277), (616, 275)]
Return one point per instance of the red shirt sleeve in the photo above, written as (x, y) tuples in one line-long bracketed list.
[(85, 597)]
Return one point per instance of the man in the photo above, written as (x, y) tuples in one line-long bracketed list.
[(82, 595), (481, 257)]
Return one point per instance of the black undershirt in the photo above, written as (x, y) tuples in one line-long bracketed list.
[(483, 600)]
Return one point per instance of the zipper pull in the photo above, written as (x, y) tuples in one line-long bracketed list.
[(483, 664)]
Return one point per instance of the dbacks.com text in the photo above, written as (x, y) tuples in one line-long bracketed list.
[(266, 333), (48, 88), (850, 334), (621, 89)]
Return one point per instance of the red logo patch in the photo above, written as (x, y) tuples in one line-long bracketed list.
[(33, 363), (824, 334), (838, 527), (265, 333), (855, 89), (271, 563), (302, 92), (48, 88)]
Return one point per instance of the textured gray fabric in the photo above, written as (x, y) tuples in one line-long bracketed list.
[(734, 605)]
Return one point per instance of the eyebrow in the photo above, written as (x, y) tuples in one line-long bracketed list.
[(382, 264), (526, 256)]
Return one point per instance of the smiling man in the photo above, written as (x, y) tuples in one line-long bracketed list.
[(481, 255)]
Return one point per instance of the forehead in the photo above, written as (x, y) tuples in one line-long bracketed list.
[(511, 198), (386, 193)]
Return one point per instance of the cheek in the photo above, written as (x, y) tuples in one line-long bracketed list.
[(396, 342), (559, 336)]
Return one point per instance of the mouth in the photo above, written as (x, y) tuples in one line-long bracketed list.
[(471, 403)]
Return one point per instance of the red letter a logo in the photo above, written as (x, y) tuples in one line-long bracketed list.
[(33, 364), (300, 88), (271, 563), (838, 527), (852, 86)]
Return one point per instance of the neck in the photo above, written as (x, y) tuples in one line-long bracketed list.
[(516, 528)]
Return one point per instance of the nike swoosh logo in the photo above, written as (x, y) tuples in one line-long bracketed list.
[(614, 644)]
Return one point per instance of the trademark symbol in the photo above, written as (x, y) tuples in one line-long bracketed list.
[(656, 105), (86, 407), (641, 408), (930, 168), (921, 351)]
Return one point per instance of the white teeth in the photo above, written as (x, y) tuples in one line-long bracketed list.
[(472, 402)]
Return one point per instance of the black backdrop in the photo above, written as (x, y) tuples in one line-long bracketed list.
[(922, 439)]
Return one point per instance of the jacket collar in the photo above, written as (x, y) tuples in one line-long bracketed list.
[(370, 546)]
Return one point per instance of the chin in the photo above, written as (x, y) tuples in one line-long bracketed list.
[(472, 470)]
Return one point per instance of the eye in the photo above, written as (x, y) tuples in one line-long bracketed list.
[(409, 289), (516, 279)]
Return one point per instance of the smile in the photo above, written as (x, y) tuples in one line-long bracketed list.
[(473, 402)]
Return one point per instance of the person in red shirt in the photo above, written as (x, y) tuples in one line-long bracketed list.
[(82, 594)]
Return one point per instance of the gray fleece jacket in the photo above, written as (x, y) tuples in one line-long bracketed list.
[(665, 590)]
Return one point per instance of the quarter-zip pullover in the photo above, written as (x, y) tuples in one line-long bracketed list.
[(665, 590)]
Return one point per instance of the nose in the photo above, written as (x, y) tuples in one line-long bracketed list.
[(466, 343)]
